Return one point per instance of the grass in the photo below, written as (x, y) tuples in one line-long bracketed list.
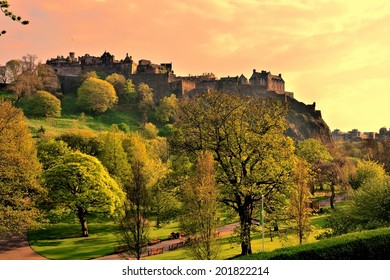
[(62, 241), (73, 118)]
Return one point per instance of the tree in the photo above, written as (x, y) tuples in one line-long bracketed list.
[(165, 112), (315, 153), (95, 95), (146, 171), (367, 208), (130, 92), (14, 69), (150, 131), (365, 172), (43, 104), (134, 224), (246, 137), (118, 81), (333, 173), (4, 5), (200, 205), (3, 74), (50, 151), (82, 184), (145, 100), (84, 141), (312, 150), (19, 173), (48, 78), (26, 84), (113, 155), (299, 208)]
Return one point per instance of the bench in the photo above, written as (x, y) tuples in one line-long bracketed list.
[(175, 246), (154, 242), (156, 251)]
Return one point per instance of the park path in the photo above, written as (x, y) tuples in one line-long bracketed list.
[(17, 248)]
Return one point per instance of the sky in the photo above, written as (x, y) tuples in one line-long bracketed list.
[(335, 53)]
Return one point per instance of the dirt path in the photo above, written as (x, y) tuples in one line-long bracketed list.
[(17, 248)]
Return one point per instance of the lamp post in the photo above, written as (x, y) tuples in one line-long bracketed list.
[(262, 221)]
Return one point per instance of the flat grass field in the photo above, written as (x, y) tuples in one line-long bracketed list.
[(62, 241)]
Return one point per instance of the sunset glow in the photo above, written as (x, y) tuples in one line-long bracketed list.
[(335, 53)]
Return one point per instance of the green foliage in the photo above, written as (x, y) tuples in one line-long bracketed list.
[(312, 151), (82, 140), (19, 173), (167, 109), (365, 172), (299, 209), (50, 151), (95, 95), (150, 131), (145, 100), (367, 208), (130, 92), (43, 104), (124, 127), (118, 81), (113, 156), (365, 245), (199, 218), (82, 184)]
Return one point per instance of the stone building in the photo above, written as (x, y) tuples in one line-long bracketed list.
[(268, 81)]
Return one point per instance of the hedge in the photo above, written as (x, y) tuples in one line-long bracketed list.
[(364, 245)]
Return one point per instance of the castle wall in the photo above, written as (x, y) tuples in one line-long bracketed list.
[(182, 87), (159, 83)]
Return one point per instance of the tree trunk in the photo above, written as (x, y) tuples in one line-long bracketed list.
[(245, 234), (83, 221), (332, 196)]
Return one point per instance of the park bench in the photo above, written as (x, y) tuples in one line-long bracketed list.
[(175, 246), (154, 242), (155, 251)]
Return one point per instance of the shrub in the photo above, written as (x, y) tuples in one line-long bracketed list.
[(364, 245), (43, 104), (95, 95)]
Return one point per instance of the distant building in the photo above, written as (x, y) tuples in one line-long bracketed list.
[(267, 80)]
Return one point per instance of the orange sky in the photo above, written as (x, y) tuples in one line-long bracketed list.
[(334, 52)]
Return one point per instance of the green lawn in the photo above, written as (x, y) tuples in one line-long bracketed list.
[(62, 241)]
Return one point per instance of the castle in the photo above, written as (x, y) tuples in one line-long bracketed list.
[(161, 77)]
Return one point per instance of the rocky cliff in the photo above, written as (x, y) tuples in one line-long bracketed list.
[(306, 122)]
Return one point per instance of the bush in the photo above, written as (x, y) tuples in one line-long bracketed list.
[(43, 104), (95, 95), (364, 245), (150, 131)]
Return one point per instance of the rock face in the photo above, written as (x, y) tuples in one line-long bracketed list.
[(306, 122)]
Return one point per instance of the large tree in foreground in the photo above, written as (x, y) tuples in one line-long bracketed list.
[(19, 172), (246, 137), (82, 184)]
